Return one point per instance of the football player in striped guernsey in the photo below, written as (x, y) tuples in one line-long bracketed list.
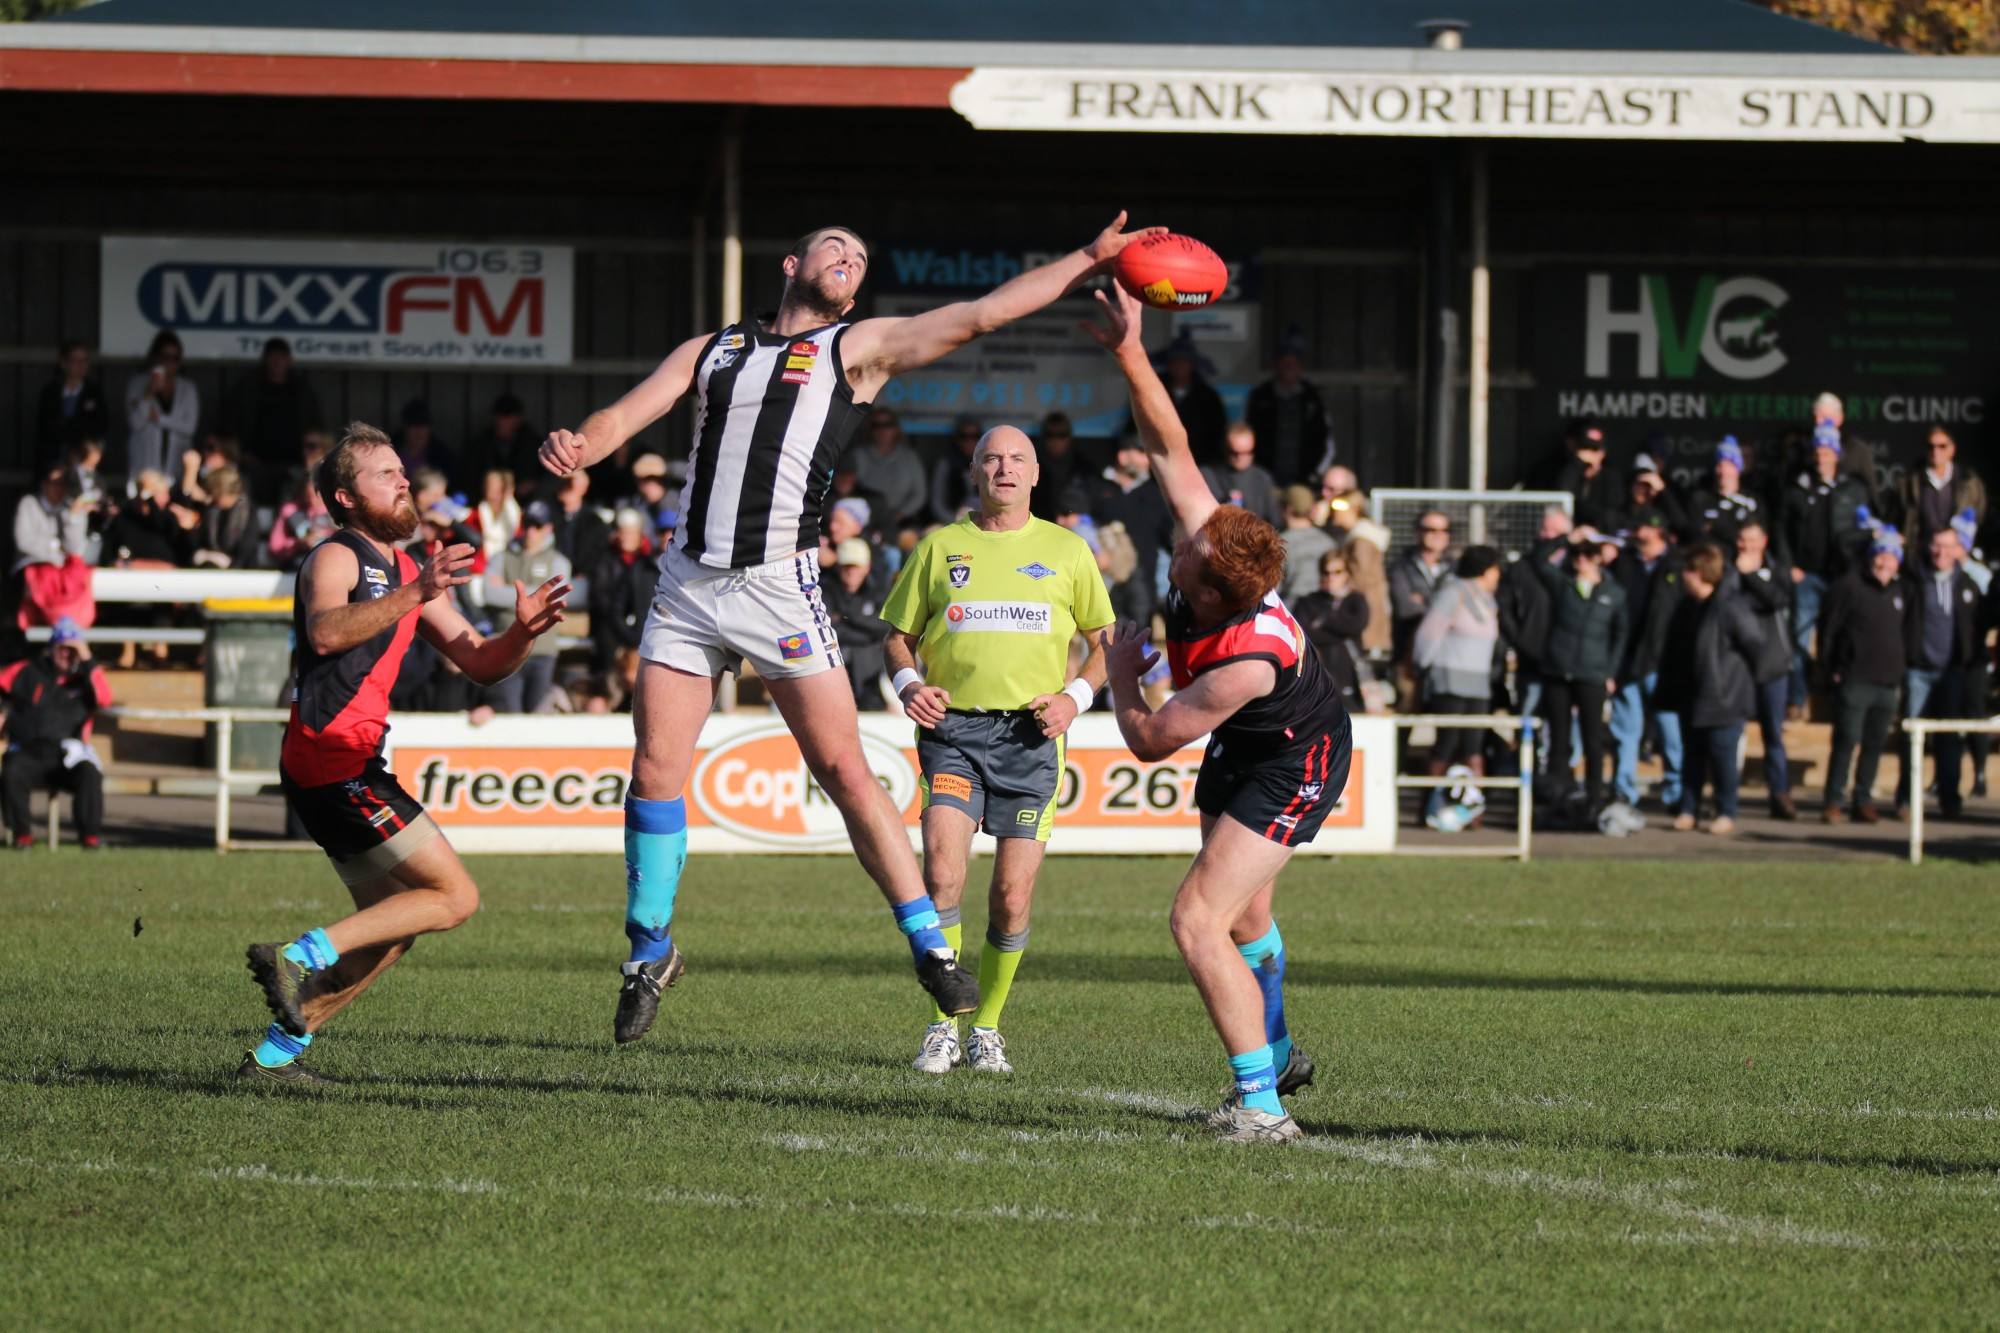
[(775, 403)]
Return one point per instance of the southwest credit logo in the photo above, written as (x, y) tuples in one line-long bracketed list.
[(1000, 617)]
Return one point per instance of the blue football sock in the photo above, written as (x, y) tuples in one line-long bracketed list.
[(1267, 961), (280, 1047), (313, 951), (1257, 1080), (656, 844), (918, 919)]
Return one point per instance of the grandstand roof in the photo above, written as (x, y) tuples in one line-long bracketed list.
[(992, 61), (1545, 25)]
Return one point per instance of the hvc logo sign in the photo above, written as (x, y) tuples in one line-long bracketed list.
[(1730, 323)]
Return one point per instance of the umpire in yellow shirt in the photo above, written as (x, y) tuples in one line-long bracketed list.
[(990, 603)]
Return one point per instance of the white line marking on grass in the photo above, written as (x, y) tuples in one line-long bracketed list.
[(1002, 1212), (1392, 1153)]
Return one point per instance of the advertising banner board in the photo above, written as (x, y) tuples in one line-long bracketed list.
[(1696, 352), (530, 784), (402, 303)]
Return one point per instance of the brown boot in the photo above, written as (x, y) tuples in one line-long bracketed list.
[(1833, 814), (1784, 807), (1867, 813)]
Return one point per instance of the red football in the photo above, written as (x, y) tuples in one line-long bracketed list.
[(1170, 272)]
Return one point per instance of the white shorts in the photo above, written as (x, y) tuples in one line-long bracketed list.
[(706, 621)]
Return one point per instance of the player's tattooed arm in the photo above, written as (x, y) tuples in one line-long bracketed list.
[(878, 350), (605, 429), (1153, 415), (334, 624), (1195, 711)]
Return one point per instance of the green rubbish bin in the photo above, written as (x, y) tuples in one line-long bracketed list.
[(249, 662)]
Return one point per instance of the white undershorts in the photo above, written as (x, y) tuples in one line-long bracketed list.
[(706, 621)]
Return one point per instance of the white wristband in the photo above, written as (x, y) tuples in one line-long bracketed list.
[(1079, 690), (905, 678)]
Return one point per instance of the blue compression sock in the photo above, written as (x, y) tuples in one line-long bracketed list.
[(313, 951), (656, 844), (280, 1047), (1267, 960), (1257, 1080), (918, 919)]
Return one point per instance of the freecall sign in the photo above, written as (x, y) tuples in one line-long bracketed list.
[(523, 783), (378, 303), (1670, 358)]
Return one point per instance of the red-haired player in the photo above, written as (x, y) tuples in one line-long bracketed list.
[(1278, 750)]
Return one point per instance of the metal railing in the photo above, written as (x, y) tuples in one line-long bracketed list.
[(226, 774), (1524, 827), (1917, 728)]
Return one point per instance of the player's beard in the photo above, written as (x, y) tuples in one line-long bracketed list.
[(392, 523), (811, 295)]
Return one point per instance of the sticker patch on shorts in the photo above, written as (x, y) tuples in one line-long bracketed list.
[(1027, 816), (952, 784), (794, 646), (1312, 791)]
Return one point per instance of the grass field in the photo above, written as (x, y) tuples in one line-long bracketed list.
[(1559, 1096)]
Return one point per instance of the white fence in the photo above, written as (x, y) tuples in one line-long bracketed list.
[(1916, 728), (1524, 826)]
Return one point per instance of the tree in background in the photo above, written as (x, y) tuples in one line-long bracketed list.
[(20, 11), (1938, 27)]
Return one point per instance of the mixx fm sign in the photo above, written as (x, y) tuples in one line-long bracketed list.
[(1731, 324), (398, 303)]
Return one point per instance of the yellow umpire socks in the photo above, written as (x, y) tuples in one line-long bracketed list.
[(999, 959)]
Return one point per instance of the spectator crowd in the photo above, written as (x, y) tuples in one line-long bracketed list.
[(1647, 616)]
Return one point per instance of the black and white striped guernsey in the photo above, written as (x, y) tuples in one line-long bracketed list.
[(772, 414)]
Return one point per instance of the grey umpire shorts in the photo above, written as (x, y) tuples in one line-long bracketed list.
[(997, 767)]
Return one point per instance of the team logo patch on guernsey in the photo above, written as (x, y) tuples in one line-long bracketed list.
[(797, 377), (799, 363), (961, 575), (732, 342), (804, 349), (1037, 571), (377, 575), (1000, 617), (794, 646)]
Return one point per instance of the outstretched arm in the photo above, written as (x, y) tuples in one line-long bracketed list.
[(878, 350), (605, 429), (1153, 412)]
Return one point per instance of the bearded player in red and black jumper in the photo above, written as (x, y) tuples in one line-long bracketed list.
[(359, 601), (1279, 745)]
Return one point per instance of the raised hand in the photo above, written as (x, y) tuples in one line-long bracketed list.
[(562, 452), (1121, 311), (540, 611), (1129, 651), (441, 572), (1114, 238)]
